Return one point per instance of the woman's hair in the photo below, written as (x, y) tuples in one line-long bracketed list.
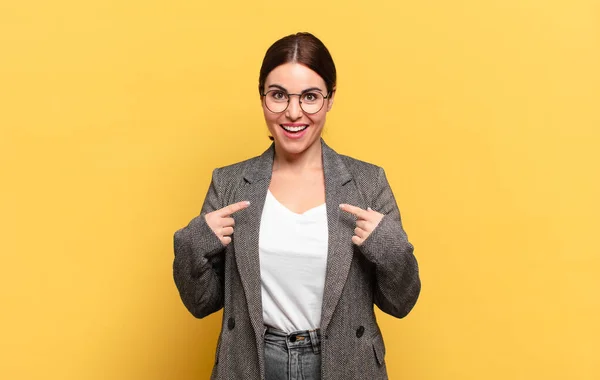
[(303, 48)]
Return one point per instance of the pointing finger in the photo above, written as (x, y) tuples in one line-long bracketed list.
[(357, 211), (233, 208)]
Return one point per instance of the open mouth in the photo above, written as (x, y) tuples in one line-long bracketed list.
[(294, 129)]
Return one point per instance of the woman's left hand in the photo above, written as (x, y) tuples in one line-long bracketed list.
[(366, 222)]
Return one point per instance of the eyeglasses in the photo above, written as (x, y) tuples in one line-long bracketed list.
[(311, 102)]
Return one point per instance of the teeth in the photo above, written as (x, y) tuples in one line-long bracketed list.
[(294, 129)]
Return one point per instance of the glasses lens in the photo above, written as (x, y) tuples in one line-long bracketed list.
[(276, 101), (312, 102)]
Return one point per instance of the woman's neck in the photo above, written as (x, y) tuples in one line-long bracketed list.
[(311, 158)]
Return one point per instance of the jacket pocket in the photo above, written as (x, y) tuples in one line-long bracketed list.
[(379, 349)]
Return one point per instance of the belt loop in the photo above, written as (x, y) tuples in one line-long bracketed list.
[(315, 341)]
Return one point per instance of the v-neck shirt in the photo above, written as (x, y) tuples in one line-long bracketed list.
[(293, 262)]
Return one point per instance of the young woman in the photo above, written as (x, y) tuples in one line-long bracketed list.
[(298, 244)]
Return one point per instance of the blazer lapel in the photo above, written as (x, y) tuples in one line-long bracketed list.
[(257, 178), (337, 176)]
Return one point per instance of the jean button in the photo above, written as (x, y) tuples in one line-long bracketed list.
[(293, 338), (360, 331), (231, 323)]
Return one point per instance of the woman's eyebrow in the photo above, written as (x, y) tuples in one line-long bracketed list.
[(303, 91), (312, 89), (279, 87)]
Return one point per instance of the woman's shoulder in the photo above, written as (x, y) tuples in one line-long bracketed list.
[(368, 177), (232, 173)]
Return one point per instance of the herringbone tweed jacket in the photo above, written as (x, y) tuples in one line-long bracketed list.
[(382, 271)]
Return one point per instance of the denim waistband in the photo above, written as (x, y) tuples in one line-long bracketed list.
[(296, 339)]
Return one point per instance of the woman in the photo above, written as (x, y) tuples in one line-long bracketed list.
[(318, 241)]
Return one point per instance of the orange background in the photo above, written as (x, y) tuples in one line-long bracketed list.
[(485, 115)]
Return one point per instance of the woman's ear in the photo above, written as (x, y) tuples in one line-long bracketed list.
[(330, 100)]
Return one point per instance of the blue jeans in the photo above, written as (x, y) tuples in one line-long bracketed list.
[(294, 356)]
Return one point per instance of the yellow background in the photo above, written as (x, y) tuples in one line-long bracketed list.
[(485, 115)]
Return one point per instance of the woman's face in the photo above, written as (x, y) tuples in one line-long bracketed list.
[(294, 130)]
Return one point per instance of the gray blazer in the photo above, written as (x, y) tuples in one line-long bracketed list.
[(382, 271)]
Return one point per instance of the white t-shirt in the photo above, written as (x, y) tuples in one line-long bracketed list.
[(293, 260)]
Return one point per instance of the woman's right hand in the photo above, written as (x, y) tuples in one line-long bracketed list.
[(221, 222)]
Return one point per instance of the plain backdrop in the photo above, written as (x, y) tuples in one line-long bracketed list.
[(484, 114)]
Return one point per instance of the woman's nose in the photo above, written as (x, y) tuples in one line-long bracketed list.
[(294, 111)]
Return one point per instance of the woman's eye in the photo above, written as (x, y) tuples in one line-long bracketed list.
[(278, 95), (310, 97)]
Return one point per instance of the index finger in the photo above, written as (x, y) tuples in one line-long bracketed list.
[(357, 211), (233, 208)]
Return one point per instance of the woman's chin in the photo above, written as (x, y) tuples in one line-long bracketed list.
[(292, 147)]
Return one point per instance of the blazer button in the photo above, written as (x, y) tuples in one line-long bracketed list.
[(231, 323), (360, 331)]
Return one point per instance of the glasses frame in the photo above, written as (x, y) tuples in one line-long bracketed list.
[(289, 96)]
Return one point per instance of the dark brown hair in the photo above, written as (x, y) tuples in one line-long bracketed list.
[(303, 48)]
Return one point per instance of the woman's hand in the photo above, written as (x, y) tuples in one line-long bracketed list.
[(366, 222), (221, 222)]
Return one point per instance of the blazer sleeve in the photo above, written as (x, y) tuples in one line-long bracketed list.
[(396, 270), (198, 266)]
